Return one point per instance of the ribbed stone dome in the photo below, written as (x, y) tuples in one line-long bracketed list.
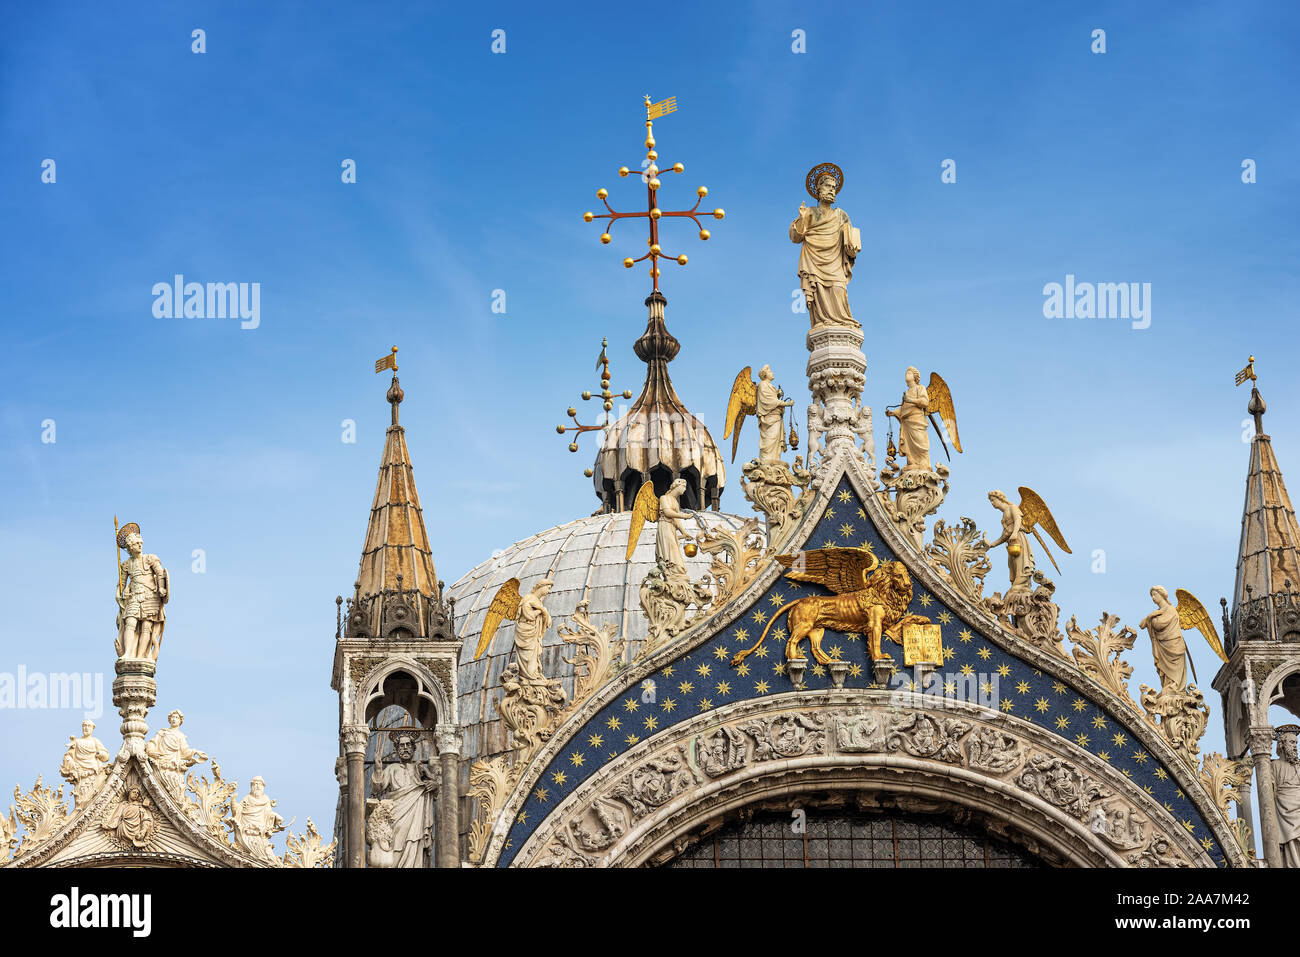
[(585, 559)]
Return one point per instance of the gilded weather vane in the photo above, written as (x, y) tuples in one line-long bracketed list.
[(652, 212), (602, 363)]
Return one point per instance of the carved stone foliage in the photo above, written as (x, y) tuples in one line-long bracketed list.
[(736, 558), (1032, 617), (489, 783), (211, 804), (770, 487), (1097, 654), (960, 554), (665, 598), (8, 834), (530, 709), (309, 850), (598, 652), (1227, 781), (41, 812), (1180, 715), (585, 830), (916, 493)]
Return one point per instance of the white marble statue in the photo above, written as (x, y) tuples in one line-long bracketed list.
[(671, 529), (1286, 793), (816, 429), (400, 833), (85, 763), (913, 422), (769, 407), (143, 588), (132, 822), (1167, 644), (1020, 559), (829, 248), (172, 755), (254, 822), (862, 429)]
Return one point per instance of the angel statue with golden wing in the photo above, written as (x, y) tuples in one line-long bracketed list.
[(1165, 627), (1018, 521), (915, 414), (764, 401), (672, 544)]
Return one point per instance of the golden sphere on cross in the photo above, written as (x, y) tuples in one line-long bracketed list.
[(702, 192), (681, 260), (602, 193), (588, 217), (628, 262), (679, 168), (656, 213), (704, 234), (605, 237), (623, 171), (718, 213)]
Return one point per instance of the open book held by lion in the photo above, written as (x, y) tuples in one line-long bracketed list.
[(871, 598)]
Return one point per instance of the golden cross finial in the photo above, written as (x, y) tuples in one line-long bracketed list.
[(602, 363), (653, 213), (1248, 372)]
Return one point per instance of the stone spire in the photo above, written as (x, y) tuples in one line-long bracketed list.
[(659, 440), (397, 587), (1268, 559)]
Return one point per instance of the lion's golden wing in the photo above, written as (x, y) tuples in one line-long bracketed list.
[(842, 570), (1034, 511), (743, 402), (505, 604), (1192, 614), (645, 508), (941, 402)]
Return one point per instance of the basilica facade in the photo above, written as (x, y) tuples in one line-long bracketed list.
[(835, 674)]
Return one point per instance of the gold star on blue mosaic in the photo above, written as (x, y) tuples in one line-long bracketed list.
[(1007, 704), (742, 669), (668, 671), (1098, 722), (720, 652), (1042, 705), (559, 778), (685, 687), (612, 724), (576, 759), (1119, 740), (844, 495), (846, 530), (945, 617), (855, 670), (595, 740), (759, 616), (760, 687), (651, 722), (1004, 670), (724, 688), (705, 704), (668, 704), (1058, 687), (1022, 687), (702, 670), (542, 794), (1081, 739), (984, 654), (1062, 722), (1079, 704), (631, 739)]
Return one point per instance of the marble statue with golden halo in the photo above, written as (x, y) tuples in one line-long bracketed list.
[(829, 246), (1286, 793)]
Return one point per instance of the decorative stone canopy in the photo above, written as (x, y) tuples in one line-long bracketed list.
[(397, 588), (1268, 559), (659, 440)]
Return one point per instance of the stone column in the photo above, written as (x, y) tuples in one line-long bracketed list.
[(1261, 752), (355, 739), (134, 693), (450, 738), (837, 371)]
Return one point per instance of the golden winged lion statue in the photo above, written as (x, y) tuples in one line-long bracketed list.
[(870, 598)]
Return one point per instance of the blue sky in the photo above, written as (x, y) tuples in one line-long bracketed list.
[(473, 170)]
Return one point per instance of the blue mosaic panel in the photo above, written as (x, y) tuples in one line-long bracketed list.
[(704, 679)]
